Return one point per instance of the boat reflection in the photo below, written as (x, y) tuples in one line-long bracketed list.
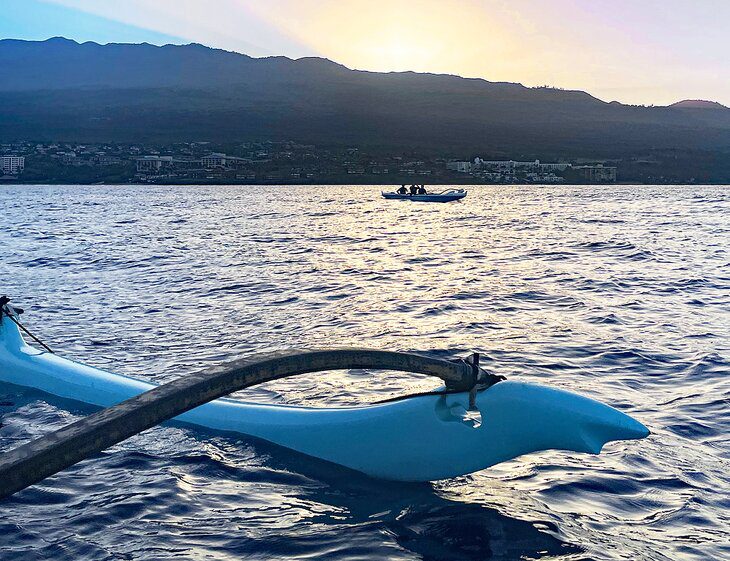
[(416, 517)]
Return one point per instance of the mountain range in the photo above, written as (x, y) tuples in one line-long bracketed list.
[(59, 89)]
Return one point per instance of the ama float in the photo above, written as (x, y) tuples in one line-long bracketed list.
[(423, 437)]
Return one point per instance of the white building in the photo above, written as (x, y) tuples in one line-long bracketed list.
[(597, 173), (217, 160), (504, 166), (214, 160), (512, 165), (12, 165), (555, 167), (461, 167), (148, 164)]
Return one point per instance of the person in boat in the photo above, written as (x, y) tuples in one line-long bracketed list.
[(414, 189), (422, 190), (402, 190)]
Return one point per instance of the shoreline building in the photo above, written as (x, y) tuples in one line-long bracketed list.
[(147, 164), (461, 167), (511, 171), (12, 165), (218, 160), (597, 174), (215, 160), (512, 166)]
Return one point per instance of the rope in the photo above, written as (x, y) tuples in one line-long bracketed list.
[(5, 309)]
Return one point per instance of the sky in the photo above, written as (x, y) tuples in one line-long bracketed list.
[(634, 51)]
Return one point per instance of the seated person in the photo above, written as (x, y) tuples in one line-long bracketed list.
[(402, 190), (422, 190), (414, 189)]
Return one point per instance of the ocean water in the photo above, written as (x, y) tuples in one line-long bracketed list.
[(621, 293)]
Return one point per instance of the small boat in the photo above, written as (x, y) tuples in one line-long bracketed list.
[(420, 438), (443, 197)]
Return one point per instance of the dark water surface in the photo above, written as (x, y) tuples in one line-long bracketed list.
[(621, 293)]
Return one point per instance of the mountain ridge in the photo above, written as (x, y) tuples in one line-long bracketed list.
[(698, 104), (686, 103), (61, 89), (320, 61)]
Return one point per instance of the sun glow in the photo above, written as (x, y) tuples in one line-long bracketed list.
[(616, 49), (424, 36)]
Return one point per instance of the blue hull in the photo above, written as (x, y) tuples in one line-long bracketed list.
[(416, 439)]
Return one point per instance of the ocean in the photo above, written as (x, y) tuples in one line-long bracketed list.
[(617, 292)]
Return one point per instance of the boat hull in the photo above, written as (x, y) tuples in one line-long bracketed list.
[(420, 438), (447, 196)]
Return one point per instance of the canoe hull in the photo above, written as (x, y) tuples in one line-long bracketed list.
[(416, 439)]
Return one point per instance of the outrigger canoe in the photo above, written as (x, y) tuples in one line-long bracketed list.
[(443, 197), (420, 438)]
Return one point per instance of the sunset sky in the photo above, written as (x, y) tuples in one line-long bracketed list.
[(634, 51)]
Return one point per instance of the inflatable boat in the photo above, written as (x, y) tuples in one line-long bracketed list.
[(443, 197)]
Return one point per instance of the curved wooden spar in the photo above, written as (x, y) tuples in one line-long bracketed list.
[(421, 438), (54, 452)]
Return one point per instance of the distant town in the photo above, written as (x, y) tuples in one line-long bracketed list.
[(291, 162)]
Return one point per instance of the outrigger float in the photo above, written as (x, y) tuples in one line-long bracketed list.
[(423, 437)]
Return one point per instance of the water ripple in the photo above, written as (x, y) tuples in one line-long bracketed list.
[(617, 292)]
